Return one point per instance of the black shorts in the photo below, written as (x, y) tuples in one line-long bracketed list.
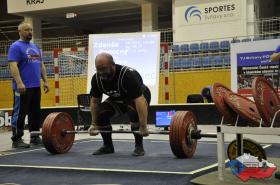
[(110, 109)]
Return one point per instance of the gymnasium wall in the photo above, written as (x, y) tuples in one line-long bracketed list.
[(183, 83)]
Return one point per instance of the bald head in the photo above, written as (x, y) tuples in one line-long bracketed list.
[(104, 58), (25, 31), (105, 66)]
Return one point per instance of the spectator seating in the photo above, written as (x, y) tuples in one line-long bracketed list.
[(194, 48), (187, 63), (176, 49), (206, 61), (214, 46), (226, 59), (177, 63), (224, 45), (195, 55), (197, 62), (218, 61), (204, 47), (184, 49)]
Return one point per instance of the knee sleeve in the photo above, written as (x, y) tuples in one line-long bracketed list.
[(104, 114)]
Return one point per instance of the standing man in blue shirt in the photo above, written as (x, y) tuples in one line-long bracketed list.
[(27, 68)]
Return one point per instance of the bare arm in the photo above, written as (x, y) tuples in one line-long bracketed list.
[(44, 77), (142, 110), (94, 102), (44, 73), (275, 57), (16, 75)]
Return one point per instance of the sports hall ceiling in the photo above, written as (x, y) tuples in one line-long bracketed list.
[(118, 16)]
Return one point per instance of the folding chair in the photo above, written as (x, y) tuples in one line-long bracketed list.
[(195, 98), (84, 113)]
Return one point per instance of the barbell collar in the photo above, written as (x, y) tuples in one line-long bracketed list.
[(196, 134)]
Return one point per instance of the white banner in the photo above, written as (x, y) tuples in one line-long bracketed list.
[(209, 13), (211, 19), (140, 51)]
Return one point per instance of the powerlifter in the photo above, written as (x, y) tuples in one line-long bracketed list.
[(126, 93)]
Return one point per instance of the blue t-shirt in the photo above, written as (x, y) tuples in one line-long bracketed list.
[(277, 49), (28, 57)]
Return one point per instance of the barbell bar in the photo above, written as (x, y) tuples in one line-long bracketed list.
[(65, 132), (194, 134)]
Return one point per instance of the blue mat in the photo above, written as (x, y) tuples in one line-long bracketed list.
[(158, 157), (79, 166)]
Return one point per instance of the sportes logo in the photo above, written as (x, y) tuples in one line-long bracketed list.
[(191, 12)]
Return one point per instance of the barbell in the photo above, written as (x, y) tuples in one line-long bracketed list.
[(58, 134)]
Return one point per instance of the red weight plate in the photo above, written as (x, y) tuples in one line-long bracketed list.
[(54, 141), (174, 135), (218, 93), (45, 133), (244, 107), (173, 138), (183, 122), (190, 124), (266, 99), (177, 137)]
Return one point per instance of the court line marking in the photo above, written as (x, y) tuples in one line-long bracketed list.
[(203, 142), (95, 169)]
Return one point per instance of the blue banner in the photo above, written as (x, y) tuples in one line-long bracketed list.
[(254, 58)]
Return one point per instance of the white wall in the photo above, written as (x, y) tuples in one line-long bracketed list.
[(251, 17), (230, 22), (20, 6)]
